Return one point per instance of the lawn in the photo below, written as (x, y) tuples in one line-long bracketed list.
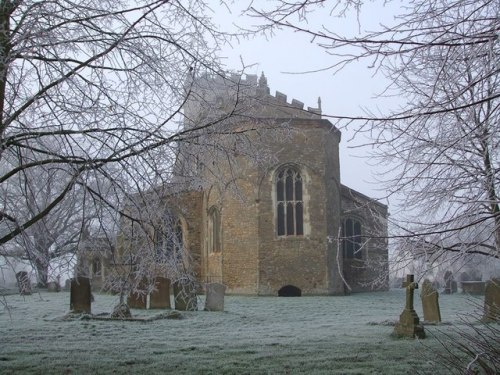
[(255, 335)]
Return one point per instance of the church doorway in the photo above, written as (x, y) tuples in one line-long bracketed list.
[(289, 291)]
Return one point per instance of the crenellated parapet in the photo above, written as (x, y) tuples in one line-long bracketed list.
[(248, 95)]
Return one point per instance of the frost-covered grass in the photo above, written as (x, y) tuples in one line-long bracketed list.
[(255, 335)]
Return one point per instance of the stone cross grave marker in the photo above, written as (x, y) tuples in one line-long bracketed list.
[(409, 323), (430, 302), (80, 295)]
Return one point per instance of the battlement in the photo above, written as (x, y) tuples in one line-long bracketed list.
[(220, 89)]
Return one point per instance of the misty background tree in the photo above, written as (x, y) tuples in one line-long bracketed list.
[(90, 96)]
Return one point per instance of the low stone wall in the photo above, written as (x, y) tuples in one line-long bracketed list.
[(473, 287)]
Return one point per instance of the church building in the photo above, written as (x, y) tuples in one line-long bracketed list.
[(256, 198)]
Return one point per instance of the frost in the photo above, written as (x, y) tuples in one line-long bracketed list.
[(253, 335)]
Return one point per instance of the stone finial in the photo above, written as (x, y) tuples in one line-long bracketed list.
[(262, 80), (263, 88), (319, 103)]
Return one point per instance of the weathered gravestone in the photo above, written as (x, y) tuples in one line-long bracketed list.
[(185, 296), (160, 297), (137, 299), (80, 295), (215, 297), (23, 283), (409, 323), (430, 302), (492, 300)]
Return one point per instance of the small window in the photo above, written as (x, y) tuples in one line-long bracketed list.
[(214, 242), (351, 243), (289, 203)]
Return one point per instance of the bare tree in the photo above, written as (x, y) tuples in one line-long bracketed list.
[(440, 148), (90, 96)]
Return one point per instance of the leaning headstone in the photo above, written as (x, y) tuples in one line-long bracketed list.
[(53, 286), (160, 297), (23, 283), (185, 298), (215, 297), (409, 323), (80, 295), (492, 300), (430, 302)]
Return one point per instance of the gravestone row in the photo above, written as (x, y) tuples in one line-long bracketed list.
[(409, 323), (185, 297)]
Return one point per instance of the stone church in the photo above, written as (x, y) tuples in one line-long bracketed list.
[(256, 198)]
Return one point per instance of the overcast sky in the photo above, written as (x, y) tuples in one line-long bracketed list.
[(342, 93)]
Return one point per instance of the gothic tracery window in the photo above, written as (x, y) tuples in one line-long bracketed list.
[(351, 234), (289, 203), (168, 238)]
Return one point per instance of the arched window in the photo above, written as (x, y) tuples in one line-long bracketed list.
[(213, 231), (351, 234), (168, 238), (289, 203)]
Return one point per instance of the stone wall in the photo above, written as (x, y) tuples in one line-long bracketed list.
[(302, 261)]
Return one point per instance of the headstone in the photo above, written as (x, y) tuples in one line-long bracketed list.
[(137, 300), (67, 285), (160, 297), (53, 286), (492, 300), (430, 302), (409, 323), (23, 283), (80, 295), (448, 283), (185, 296), (215, 297)]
